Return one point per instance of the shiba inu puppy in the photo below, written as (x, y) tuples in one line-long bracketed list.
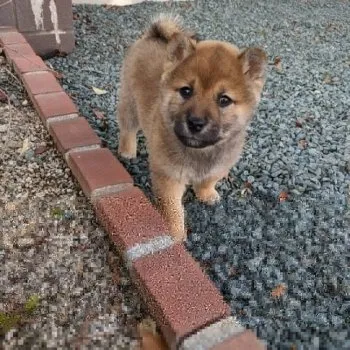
[(193, 101)]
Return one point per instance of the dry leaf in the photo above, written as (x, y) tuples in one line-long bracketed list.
[(283, 196), (302, 144), (49, 65), (58, 75), (278, 291), (25, 146), (331, 27), (73, 96), (247, 189), (248, 184), (3, 96), (233, 271), (278, 63), (40, 149), (230, 178), (99, 114), (327, 79), (98, 91), (116, 277), (298, 124), (149, 338), (309, 118)]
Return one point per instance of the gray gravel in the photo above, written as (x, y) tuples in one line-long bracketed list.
[(51, 248), (253, 242)]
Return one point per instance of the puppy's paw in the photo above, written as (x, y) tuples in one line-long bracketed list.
[(127, 152), (179, 234), (127, 155), (208, 196), (127, 146)]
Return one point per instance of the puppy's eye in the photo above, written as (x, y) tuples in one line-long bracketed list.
[(224, 101), (186, 92)]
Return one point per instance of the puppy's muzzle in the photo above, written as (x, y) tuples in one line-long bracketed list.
[(195, 124), (196, 132)]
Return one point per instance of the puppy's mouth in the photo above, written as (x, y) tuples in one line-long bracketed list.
[(202, 140)]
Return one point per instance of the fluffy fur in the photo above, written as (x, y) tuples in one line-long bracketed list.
[(193, 101)]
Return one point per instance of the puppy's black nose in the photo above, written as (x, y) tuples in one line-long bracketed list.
[(196, 124)]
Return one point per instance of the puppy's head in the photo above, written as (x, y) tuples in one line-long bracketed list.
[(210, 89)]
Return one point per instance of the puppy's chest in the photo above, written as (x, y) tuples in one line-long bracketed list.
[(196, 169)]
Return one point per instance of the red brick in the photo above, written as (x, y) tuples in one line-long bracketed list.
[(96, 169), (10, 38), (25, 64), (19, 50), (41, 83), (129, 218), (179, 296), (53, 105), (72, 133), (243, 341)]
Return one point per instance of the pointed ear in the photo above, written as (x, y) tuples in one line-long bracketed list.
[(179, 47), (254, 63)]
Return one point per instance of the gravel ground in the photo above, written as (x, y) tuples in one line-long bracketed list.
[(278, 244), (55, 262)]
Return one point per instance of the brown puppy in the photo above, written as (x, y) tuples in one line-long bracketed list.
[(193, 101)]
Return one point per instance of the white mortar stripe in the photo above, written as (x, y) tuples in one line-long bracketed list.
[(212, 335), (152, 246), (108, 190), (60, 118), (35, 72), (81, 149)]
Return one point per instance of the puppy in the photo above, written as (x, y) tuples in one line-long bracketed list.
[(193, 101)]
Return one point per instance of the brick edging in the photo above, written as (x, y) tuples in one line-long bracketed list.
[(186, 305)]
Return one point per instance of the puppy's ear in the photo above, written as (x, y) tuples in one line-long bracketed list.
[(179, 47), (254, 63)]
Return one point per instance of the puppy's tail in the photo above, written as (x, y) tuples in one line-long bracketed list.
[(164, 27)]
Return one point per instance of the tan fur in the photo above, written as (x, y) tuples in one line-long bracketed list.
[(164, 60)]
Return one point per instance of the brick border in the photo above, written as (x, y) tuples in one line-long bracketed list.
[(186, 305)]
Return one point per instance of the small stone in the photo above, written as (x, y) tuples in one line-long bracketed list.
[(24, 242), (3, 128)]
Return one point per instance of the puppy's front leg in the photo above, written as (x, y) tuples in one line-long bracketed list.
[(205, 190), (169, 193)]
